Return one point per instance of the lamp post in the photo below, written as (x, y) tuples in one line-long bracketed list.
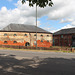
[(36, 25)]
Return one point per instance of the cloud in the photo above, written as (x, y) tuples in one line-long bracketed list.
[(20, 15), (66, 27), (51, 29), (66, 20), (73, 23), (62, 10)]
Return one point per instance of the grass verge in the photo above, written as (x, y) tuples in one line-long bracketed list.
[(35, 50)]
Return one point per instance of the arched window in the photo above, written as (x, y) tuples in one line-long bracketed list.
[(61, 36), (34, 34), (47, 40), (41, 40), (15, 34), (25, 34), (5, 34), (41, 35), (14, 41), (34, 42), (27, 44), (47, 35), (5, 41)]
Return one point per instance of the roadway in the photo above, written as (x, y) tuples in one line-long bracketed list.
[(14, 62)]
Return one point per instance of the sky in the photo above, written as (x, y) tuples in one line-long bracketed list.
[(60, 16)]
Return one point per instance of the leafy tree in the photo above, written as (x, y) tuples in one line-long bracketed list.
[(40, 3)]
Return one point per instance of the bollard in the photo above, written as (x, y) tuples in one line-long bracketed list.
[(72, 50)]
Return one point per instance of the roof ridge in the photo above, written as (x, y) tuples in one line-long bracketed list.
[(21, 24), (65, 31), (23, 27), (67, 28)]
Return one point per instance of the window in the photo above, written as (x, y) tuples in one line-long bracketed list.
[(34, 42), (25, 34), (15, 35), (5, 34), (41, 40), (5, 41), (41, 35), (34, 34), (15, 42), (47, 40), (61, 36), (27, 44), (47, 35)]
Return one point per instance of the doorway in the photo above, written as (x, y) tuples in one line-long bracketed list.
[(73, 41), (27, 44)]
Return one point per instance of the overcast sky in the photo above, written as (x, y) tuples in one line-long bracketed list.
[(61, 15)]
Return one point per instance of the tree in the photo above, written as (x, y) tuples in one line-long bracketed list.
[(40, 3)]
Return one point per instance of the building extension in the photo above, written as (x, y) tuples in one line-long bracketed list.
[(64, 37), (25, 35)]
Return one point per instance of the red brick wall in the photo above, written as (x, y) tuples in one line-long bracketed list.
[(43, 44), (21, 40), (65, 41)]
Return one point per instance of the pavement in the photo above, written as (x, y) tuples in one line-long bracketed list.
[(14, 62)]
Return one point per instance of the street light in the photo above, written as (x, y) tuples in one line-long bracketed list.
[(36, 26)]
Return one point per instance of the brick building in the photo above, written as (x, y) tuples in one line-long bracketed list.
[(64, 37), (25, 35)]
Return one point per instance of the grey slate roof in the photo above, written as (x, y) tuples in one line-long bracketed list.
[(65, 31), (23, 28)]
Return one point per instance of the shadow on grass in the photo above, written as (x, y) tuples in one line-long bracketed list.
[(9, 65)]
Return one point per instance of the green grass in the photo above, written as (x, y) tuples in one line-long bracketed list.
[(60, 47), (29, 50), (38, 50), (67, 51)]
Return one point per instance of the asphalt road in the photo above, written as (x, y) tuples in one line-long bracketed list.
[(13, 62), (31, 54)]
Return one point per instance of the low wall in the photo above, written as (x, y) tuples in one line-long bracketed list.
[(38, 48), (24, 47)]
